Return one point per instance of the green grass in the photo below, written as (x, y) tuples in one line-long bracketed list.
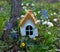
[(45, 41), (4, 14)]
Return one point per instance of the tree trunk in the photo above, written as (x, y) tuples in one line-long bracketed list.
[(15, 11)]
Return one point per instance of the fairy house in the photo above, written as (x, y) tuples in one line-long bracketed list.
[(28, 25)]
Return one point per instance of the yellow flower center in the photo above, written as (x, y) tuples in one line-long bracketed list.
[(22, 44), (34, 38)]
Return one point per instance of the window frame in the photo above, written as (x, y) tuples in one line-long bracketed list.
[(29, 30)]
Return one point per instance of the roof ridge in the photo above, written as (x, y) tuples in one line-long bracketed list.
[(30, 15)]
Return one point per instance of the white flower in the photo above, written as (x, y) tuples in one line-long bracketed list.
[(45, 22), (24, 7), (32, 4), (22, 4), (50, 24), (51, 14), (54, 13), (35, 13), (55, 20), (37, 21), (26, 10), (18, 18), (49, 33), (38, 12), (27, 4), (22, 15), (42, 20)]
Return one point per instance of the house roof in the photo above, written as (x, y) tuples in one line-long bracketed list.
[(29, 15)]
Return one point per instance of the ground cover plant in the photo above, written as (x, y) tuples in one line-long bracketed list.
[(48, 18)]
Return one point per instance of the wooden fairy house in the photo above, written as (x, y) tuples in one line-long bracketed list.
[(28, 25)]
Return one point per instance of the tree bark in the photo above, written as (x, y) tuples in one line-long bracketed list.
[(15, 11)]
